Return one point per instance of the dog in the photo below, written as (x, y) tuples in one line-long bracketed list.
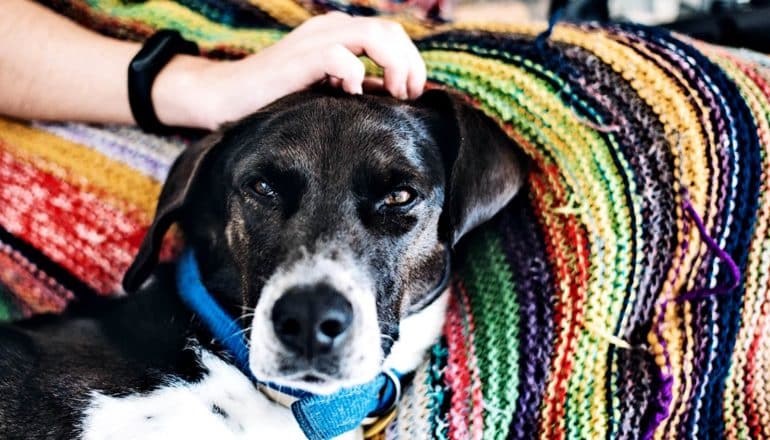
[(321, 224)]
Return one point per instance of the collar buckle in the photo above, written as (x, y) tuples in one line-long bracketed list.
[(378, 426), (396, 397), (377, 423)]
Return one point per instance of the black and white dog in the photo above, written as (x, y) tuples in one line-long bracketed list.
[(321, 223)]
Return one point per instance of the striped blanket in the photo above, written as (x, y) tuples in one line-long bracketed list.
[(624, 294)]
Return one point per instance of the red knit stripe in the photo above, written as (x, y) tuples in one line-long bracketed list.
[(457, 375), (73, 227), (571, 267), (477, 396)]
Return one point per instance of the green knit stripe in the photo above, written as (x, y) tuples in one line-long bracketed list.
[(496, 316)]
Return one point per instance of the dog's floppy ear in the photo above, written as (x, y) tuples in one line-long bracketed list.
[(484, 166), (172, 199)]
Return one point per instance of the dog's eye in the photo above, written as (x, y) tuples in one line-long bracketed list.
[(399, 197), (264, 189)]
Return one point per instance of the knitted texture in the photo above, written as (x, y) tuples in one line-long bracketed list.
[(622, 294)]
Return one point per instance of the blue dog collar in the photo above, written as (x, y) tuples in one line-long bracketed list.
[(319, 416)]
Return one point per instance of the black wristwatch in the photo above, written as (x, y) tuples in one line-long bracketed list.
[(156, 52)]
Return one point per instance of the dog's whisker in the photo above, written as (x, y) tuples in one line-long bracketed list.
[(242, 331), (246, 308)]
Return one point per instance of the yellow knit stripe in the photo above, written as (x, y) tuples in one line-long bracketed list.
[(80, 166)]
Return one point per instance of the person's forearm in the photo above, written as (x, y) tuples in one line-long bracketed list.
[(53, 69)]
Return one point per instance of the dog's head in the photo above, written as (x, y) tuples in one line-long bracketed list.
[(323, 221)]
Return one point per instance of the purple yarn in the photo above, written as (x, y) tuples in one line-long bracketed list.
[(735, 273), (665, 395)]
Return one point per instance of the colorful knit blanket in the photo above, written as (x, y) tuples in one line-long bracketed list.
[(623, 294)]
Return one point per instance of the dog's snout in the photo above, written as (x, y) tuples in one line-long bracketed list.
[(312, 319)]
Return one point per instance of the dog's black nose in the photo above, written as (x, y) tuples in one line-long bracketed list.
[(312, 319)]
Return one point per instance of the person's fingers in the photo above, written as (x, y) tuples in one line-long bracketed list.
[(342, 64), (415, 82), (395, 81), (406, 77), (374, 84), (385, 42), (334, 81)]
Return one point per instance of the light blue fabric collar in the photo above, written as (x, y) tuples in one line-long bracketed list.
[(320, 417)]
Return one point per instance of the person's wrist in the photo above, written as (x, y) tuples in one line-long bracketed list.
[(202, 93), (181, 95)]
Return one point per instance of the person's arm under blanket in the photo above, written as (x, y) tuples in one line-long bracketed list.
[(53, 69)]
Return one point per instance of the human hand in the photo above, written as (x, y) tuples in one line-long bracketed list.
[(206, 93)]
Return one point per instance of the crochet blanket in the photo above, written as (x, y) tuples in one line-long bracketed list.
[(623, 294)]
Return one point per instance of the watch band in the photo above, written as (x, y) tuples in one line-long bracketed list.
[(156, 52)]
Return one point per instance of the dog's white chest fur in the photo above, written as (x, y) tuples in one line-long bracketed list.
[(223, 405)]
